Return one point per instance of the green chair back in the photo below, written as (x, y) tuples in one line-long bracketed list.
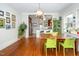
[(54, 33), (51, 43), (69, 42), (50, 40)]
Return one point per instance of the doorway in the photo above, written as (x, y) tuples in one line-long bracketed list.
[(30, 26), (38, 24)]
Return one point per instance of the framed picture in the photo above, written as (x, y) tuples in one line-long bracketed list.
[(7, 20), (8, 26), (7, 14), (1, 13), (13, 25), (13, 21), (2, 22), (13, 16)]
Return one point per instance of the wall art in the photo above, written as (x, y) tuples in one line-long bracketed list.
[(13, 25), (13, 21), (7, 19), (7, 14), (8, 26), (2, 22), (1, 13)]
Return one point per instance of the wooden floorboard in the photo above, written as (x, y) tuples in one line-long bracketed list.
[(35, 47)]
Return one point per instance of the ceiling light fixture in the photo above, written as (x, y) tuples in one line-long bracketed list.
[(39, 12)]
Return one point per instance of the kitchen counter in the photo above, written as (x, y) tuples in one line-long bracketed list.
[(38, 32), (70, 35)]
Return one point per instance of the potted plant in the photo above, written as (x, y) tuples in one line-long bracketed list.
[(21, 30)]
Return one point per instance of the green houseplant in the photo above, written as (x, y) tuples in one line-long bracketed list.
[(57, 26), (21, 30)]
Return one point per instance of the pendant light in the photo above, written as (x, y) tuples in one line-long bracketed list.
[(39, 12)]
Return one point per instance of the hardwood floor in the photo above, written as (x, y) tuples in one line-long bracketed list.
[(35, 47)]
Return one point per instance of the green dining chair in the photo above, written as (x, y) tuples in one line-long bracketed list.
[(68, 43), (55, 34), (51, 43)]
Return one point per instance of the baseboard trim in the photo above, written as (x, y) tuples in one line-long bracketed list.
[(7, 51)]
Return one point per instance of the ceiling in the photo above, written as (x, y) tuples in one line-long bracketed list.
[(32, 7)]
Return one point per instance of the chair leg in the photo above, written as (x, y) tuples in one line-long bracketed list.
[(52, 49), (63, 51), (59, 48), (56, 51), (46, 51), (74, 51)]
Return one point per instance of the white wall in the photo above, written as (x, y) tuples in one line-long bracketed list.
[(7, 37), (72, 9)]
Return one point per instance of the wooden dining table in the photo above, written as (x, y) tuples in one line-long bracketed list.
[(59, 39)]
